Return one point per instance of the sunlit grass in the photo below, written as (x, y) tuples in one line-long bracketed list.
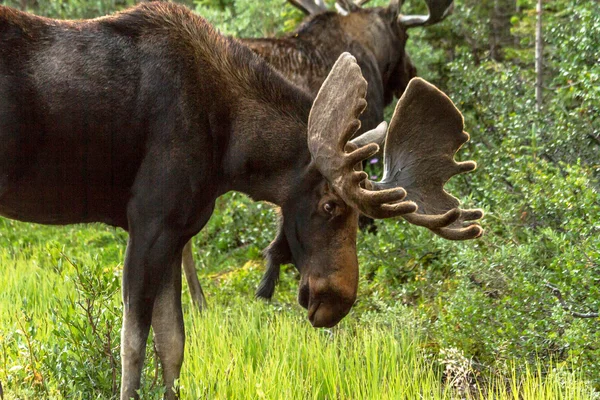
[(258, 353), (254, 352), (240, 348)]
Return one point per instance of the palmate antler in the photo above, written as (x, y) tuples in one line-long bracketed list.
[(424, 134)]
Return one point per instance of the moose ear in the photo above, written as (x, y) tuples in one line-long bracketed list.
[(376, 135)]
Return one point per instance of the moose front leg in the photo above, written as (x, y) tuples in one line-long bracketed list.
[(150, 265), (277, 253)]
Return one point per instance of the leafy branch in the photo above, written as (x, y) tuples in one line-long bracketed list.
[(567, 307)]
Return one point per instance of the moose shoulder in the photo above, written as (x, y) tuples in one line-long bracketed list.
[(142, 119)]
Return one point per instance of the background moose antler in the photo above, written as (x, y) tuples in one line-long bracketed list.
[(438, 10), (310, 7)]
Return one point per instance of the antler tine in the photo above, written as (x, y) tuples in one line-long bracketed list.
[(425, 133), (309, 7), (346, 6), (349, 5), (376, 135), (332, 122), (438, 10)]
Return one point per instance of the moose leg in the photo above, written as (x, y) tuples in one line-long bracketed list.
[(149, 265), (277, 253), (169, 332), (189, 267), (266, 287)]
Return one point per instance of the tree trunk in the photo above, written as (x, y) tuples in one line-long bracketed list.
[(516, 39), (539, 46), (495, 34)]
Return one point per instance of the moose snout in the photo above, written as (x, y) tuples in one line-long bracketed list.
[(327, 315), (327, 300)]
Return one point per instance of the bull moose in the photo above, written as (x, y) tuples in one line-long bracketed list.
[(375, 36), (142, 119)]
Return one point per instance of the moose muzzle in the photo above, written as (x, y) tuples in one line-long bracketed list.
[(329, 298)]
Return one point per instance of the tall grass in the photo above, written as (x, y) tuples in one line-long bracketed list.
[(56, 284), (256, 353)]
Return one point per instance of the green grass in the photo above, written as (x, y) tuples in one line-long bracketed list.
[(256, 353), (60, 316)]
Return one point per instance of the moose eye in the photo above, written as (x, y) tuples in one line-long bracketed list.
[(329, 207)]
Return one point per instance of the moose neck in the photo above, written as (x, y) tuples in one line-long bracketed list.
[(268, 152), (303, 55)]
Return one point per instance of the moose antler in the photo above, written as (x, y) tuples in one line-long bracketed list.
[(332, 121), (425, 133), (310, 7), (438, 10), (346, 6)]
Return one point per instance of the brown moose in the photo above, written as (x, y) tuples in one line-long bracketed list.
[(142, 119)]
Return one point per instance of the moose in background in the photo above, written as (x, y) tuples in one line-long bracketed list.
[(376, 37), (140, 120)]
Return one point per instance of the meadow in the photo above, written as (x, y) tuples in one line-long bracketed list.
[(60, 313), (434, 319)]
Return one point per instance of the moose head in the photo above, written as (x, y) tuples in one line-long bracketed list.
[(318, 230), (376, 36)]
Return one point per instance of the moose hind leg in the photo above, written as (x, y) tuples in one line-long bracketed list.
[(191, 276), (169, 332)]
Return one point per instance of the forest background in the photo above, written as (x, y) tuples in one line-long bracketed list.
[(522, 300)]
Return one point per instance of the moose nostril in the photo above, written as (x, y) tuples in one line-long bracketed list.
[(303, 296)]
